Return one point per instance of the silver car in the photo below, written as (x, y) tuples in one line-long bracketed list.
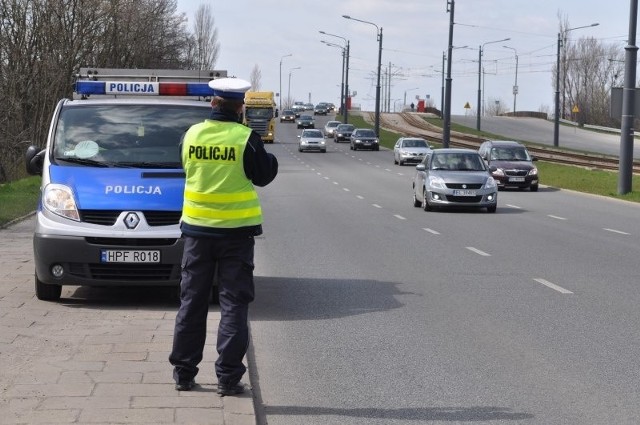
[(410, 149), (454, 178), (312, 140), (330, 127)]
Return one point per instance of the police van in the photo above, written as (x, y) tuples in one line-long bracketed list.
[(112, 179)]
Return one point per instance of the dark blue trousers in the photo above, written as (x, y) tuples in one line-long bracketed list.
[(232, 260)]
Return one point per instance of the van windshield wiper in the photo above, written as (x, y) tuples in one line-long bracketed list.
[(83, 161)]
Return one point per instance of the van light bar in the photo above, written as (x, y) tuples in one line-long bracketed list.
[(142, 88)]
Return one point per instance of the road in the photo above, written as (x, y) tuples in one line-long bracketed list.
[(541, 131), (371, 311)]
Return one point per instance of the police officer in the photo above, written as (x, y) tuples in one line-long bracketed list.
[(223, 160)]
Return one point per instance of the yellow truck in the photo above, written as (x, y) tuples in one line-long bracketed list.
[(260, 114)]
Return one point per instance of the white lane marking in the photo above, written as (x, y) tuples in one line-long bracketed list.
[(376, 205), (553, 286), (477, 251), (556, 217), (387, 169), (399, 217), (430, 230), (616, 231), (346, 189), (335, 182), (514, 206), (359, 196), (326, 178)]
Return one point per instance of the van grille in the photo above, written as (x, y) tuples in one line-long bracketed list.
[(109, 217), (126, 272)]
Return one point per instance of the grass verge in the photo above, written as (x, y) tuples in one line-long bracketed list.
[(18, 198)]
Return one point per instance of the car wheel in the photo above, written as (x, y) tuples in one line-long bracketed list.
[(534, 188), (299, 149), (425, 202), (323, 151), (377, 148), (351, 147), (47, 292), (416, 202), (492, 208), (400, 163)]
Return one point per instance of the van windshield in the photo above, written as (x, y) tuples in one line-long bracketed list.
[(145, 136)]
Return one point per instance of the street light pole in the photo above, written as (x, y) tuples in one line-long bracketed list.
[(289, 88), (556, 118), (379, 35), (479, 106), (515, 85), (345, 68), (290, 54)]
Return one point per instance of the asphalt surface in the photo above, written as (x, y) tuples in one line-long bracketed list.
[(98, 356)]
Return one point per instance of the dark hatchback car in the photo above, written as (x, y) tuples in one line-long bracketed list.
[(305, 121), (364, 138), (510, 164), (343, 132), (288, 116)]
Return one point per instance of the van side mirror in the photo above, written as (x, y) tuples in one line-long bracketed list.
[(34, 160)]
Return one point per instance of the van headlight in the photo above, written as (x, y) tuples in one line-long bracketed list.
[(59, 200)]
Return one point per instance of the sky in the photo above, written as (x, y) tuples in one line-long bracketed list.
[(282, 38)]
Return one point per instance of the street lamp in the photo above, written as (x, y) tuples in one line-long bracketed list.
[(479, 106), (344, 95), (289, 88), (405, 96), (556, 118), (290, 54), (515, 85), (379, 34)]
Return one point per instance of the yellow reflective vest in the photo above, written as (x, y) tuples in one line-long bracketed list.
[(217, 192)]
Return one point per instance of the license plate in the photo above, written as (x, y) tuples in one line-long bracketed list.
[(129, 256), (516, 179), (464, 192)]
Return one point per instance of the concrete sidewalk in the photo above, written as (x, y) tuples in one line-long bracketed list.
[(98, 356)]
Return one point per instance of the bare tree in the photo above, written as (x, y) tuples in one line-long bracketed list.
[(495, 107), (256, 77), (207, 47)]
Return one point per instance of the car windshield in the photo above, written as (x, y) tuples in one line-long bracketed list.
[(288, 112), (312, 133), (333, 124), (306, 117), (510, 154), (366, 133), (457, 162), (415, 143), (259, 113), (124, 135), (345, 127)]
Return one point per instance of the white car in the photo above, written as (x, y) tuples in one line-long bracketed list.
[(330, 127), (312, 140), (410, 149)]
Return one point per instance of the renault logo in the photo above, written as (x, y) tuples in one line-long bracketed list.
[(131, 220)]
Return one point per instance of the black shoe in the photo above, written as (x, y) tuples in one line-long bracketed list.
[(185, 385), (225, 389)]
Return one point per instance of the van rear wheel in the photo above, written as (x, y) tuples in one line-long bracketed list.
[(46, 292)]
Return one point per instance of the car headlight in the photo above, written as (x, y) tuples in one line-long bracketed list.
[(437, 182), (59, 200), (533, 171), (490, 183)]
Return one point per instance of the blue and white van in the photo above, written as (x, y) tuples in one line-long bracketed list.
[(112, 181)]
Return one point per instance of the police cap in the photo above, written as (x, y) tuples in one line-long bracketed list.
[(230, 88)]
